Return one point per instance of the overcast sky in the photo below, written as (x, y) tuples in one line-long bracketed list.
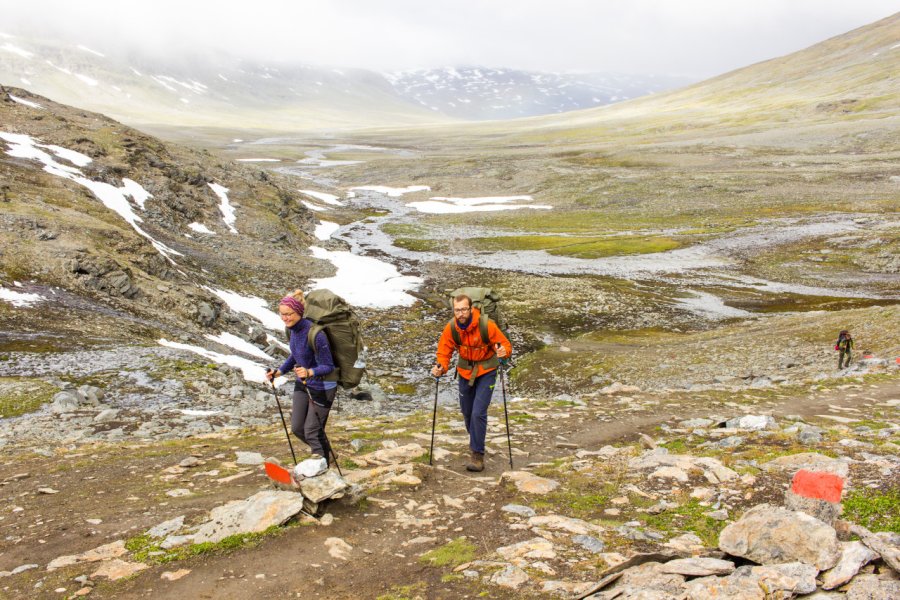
[(696, 38)]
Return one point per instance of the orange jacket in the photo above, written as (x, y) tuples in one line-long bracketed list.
[(472, 348)]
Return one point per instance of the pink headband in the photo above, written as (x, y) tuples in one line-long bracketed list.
[(293, 304)]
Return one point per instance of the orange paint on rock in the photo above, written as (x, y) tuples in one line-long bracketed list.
[(823, 486)]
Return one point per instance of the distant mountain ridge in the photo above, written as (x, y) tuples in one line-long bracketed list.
[(220, 91), (477, 93)]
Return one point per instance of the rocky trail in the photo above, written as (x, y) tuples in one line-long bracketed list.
[(600, 478)]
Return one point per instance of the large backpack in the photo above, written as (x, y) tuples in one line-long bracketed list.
[(488, 302), (331, 314)]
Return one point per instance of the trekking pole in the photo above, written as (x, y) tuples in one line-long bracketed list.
[(433, 420), (283, 422), (322, 428), (505, 412)]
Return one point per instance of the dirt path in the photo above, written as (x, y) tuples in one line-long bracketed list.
[(384, 558)]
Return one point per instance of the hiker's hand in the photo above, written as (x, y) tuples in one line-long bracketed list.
[(437, 371), (501, 351), (272, 374), (303, 373)]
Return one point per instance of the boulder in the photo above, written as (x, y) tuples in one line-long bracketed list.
[(560, 523), (752, 422), (65, 402), (518, 509), (589, 543), (810, 461), (117, 569), (770, 534), (324, 486), (256, 513), (870, 587), (511, 577)]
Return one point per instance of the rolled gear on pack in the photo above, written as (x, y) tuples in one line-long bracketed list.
[(333, 315)]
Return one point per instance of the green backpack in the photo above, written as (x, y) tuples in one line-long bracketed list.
[(488, 302), (331, 314)]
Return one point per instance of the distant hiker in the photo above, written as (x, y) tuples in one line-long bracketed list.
[(313, 397), (477, 368), (844, 344)]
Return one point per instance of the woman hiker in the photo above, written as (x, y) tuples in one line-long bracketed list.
[(477, 369), (844, 345), (313, 397)]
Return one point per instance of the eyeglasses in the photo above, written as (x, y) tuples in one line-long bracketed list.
[(286, 315), (462, 311)]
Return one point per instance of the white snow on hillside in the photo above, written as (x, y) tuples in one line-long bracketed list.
[(86, 49), (25, 102), (87, 80), (252, 371), (393, 192), (225, 206), (440, 205), (324, 230), (250, 305), (257, 160), (201, 228), (323, 197), (239, 344), (19, 299), (115, 199), (16, 50), (138, 193), (312, 206), (366, 281)]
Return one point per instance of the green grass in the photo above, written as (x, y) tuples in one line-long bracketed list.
[(20, 395), (588, 247), (419, 244), (688, 517), (452, 554), (405, 592), (873, 509)]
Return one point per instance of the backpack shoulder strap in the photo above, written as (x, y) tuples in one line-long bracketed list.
[(483, 329), (311, 337), (455, 333)]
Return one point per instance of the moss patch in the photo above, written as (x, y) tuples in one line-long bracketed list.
[(452, 554), (21, 395), (587, 247), (874, 509)]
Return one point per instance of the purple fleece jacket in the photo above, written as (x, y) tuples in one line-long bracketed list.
[(320, 361)]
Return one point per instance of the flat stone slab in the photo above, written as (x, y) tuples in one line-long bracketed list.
[(117, 569), (256, 513), (809, 461), (529, 482), (105, 552), (321, 487), (560, 523), (518, 509), (698, 567), (854, 556)]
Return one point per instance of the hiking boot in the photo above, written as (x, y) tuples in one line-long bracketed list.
[(476, 464)]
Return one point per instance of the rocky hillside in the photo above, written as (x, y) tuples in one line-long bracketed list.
[(126, 231)]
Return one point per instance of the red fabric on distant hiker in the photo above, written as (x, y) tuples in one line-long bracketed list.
[(279, 474), (823, 486)]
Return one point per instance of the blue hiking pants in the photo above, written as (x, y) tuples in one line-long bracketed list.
[(474, 401)]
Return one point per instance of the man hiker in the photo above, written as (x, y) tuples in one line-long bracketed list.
[(844, 345), (477, 368)]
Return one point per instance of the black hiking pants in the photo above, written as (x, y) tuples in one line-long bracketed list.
[(308, 419), (841, 364)]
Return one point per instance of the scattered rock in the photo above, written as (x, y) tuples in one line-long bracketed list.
[(560, 523), (535, 548), (174, 575), (698, 567), (511, 577), (529, 482), (47, 490), (166, 527), (105, 552), (179, 493), (190, 461), (327, 485), (518, 509), (117, 569), (256, 513), (338, 548), (870, 587), (769, 534), (249, 458), (589, 543), (854, 555)]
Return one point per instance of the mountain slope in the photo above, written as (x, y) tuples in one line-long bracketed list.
[(128, 229)]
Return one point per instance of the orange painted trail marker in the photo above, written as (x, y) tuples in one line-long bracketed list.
[(821, 486)]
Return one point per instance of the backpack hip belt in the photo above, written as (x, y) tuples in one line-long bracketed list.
[(489, 363)]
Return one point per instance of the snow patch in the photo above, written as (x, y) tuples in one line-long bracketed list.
[(87, 80), (113, 198), (20, 299), (324, 230), (136, 191), (323, 197), (239, 344), (710, 306), (312, 206), (366, 281), (257, 159), (86, 49), (16, 50), (201, 228), (225, 206), (443, 205), (393, 192), (24, 101), (252, 371), (250, 305)]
